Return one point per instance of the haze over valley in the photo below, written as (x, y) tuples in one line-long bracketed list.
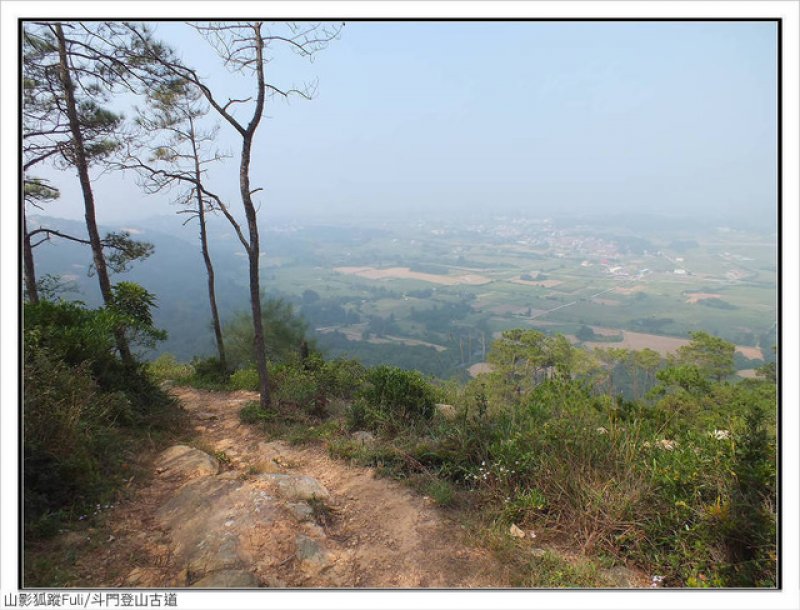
[(433, 292)]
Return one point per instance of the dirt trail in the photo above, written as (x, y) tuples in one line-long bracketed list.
[(371, 533)]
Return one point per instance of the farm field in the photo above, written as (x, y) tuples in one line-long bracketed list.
[(371, 273), (662, 344), (441, 291)]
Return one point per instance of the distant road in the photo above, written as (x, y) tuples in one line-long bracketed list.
[(544, 313)]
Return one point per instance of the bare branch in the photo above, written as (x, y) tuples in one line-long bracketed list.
[(230, 102)]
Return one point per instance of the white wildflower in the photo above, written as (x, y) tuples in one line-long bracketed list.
[(656, 580)]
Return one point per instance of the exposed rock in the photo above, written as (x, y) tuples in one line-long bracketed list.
[(264, 467), (364, 437), (228, 579), (274, 583), (300, 510), (210, 517), (313, 529), (271, 457), (537, 552), (230, 475), (297, 487), (311, 553), (186, 461), (271, 451), (515, 531), (205, 416), (620, 576), (139, 577), (446, 411)]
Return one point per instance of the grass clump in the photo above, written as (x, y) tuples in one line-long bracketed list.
[(167, 368), (252, 413), (244, 379), (440, 491)]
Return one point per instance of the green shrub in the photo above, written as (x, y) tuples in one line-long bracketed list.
[(77, 336), (341, 378), (82, 411), (73, 334), (284, 332), (244, 379), (209, 374), (291, 385), (68, 426), (252, 413), (750, 530), (399, 395), (167, 368)]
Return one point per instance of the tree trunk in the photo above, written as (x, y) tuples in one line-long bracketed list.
[(212, 296), (27, 258), (255, 287), (82, 165), (254, 251)]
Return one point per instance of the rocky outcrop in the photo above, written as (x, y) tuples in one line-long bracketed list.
[(184, 461), (312, 555), (234, 579), (213, 518), (279, 516), (296, 487)]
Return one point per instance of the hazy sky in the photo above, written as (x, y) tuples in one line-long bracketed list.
[(604, 116)]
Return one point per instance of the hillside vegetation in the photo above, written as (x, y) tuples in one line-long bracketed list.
[(680, 482)]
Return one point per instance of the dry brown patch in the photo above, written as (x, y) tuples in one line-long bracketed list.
[(371, 273), (753, 353), (541, 283), (696, 297), (479, 368), (630, 289), (659, 343), (606, 332)]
